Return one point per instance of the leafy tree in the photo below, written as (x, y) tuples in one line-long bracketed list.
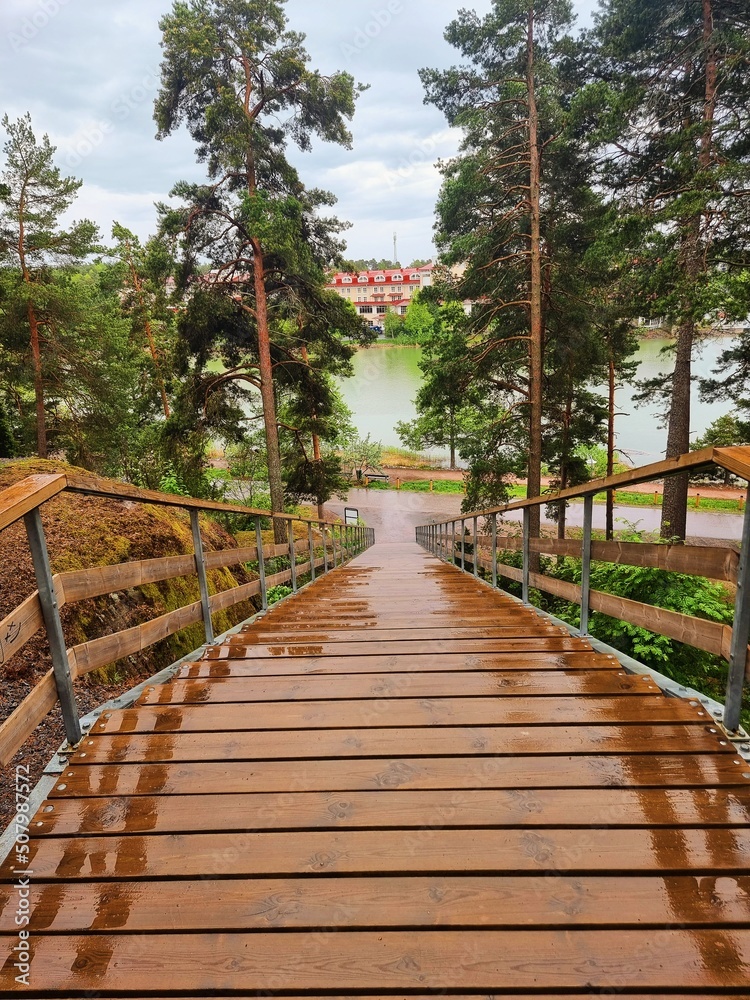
[(34, 196), (508, 102), (726, 431), (362, 454), (144, 273), (674, 114), (240, 82), (447, 401), (420, 319)]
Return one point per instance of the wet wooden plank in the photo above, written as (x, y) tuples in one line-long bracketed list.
[(391, 852), (329, 665), (404, 685), (406, 810), (500, 742), (270, 637), (418, 902), (402, 712), (550, 959), (403, 647), (453, 773)]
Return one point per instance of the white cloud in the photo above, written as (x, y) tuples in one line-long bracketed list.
[(87, 72)]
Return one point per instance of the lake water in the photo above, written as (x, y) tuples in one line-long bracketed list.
[(387, 379)]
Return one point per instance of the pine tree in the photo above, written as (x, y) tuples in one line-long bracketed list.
[(33, 246), (675, 93), (239, 80)]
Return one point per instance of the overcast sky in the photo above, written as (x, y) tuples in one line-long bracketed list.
[(88, 72)]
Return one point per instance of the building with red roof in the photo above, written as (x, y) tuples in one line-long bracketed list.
[(376, 293)]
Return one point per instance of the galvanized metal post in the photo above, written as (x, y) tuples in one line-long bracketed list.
[(200, 566), (324, 528), (261, 565), (53, 625), (333, 542), (494, 551), (588, 526), (476, 547), (453, 545), (526, 554), (463, 545), (311, 543), (740, 634), (292, 555)]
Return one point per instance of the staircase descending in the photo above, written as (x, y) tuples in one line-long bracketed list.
[(398, 782)]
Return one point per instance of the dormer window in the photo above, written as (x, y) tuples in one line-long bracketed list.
[(363, 279), (380, 279), (397, 277), (346, 281), (415, 277)]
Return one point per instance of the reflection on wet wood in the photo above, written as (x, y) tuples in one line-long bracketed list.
[(401, 783)]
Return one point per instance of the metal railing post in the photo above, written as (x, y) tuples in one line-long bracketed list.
[(740, 634), (526, 554), (588, 526), (200, 566), (292, 556), (324, 528), (494, 551), (261, 564), (453, 545), (53, 625), (476, 547), (463, 545), (333, 543), (311, 543)]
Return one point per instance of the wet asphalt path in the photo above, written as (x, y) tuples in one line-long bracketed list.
[(394, 515)]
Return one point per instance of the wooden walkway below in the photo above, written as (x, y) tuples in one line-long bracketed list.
[(397, 783)]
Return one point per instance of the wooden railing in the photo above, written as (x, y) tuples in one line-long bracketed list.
[(327, 545), (449, 541)]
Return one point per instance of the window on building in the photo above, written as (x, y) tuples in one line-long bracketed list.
[(415, 277), (363, 279), (380, 277), (397, 277), (382, 310), (346, 281), (403, 310), (365, 310)]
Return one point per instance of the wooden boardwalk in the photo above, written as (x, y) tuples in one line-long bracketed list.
[(397, 783)]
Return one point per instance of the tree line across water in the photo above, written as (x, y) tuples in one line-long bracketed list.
[(603, 175)]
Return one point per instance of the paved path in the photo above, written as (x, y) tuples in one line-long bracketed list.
[(394, 515)]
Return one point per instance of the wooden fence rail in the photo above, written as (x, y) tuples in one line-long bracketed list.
[(335, 541), (451, 539)]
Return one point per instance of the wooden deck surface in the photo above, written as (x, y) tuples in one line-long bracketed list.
[(396, 784)]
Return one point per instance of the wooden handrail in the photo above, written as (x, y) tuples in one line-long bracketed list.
[(734, 460), (693, 560), (714, 562), (25, 498), (26, 495)]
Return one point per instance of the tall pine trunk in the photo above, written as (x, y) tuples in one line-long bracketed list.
[(536, 333), (674, 514), (265, 364), (36, 356)]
